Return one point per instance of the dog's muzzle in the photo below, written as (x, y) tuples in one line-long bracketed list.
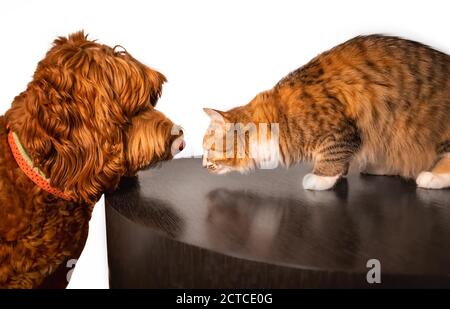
[(178, 144)]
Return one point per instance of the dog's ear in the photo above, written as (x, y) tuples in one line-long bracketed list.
[(70, 142)]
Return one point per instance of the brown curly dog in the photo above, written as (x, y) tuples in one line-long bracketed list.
[(86, 119)]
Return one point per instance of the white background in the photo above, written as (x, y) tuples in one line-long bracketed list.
[(214, 53)]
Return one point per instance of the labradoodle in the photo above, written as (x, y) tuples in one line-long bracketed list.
[(86, 119)]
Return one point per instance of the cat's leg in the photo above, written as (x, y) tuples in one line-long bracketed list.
[(331, 163), (438, 177)]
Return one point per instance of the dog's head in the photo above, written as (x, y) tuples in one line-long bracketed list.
[(87, 117)]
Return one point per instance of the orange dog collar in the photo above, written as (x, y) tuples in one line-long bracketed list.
[(26, 165)]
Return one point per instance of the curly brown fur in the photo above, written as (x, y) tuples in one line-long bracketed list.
[(86, 119)]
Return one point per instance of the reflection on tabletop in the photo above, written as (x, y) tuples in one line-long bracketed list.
[(267, 216)]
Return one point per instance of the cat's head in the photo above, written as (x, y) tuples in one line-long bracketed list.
[(234, 144), (225, 145)]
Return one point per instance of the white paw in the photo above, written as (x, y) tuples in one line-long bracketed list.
[(315, 182), (429, 180)]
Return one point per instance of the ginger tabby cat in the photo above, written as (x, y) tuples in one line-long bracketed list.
[(384, 101)]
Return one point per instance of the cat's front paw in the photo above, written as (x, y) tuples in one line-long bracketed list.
[(316, 182), (429, 180)]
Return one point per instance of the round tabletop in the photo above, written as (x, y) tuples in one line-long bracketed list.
[(267, 217)]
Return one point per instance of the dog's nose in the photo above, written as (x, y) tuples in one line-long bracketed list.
[(178, 145), (181, 146)]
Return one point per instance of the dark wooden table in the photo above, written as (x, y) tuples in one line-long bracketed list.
[(177, 225)]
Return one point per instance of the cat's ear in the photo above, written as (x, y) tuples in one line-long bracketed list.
[(215, 115)]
